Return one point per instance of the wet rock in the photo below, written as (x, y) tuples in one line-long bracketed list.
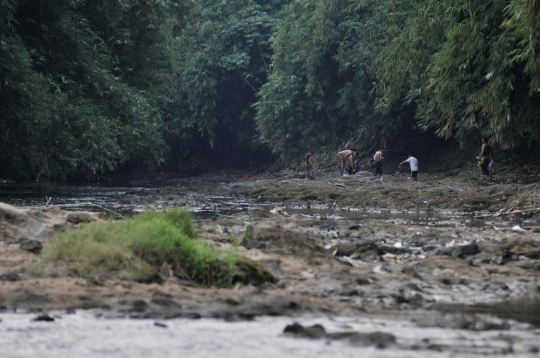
[(43, 318), (9, 276), (354, 227), (32, 246), (459, 251), (297, 330), (467, 250), (378, 339)]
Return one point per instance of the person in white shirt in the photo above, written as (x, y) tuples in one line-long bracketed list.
[(414, 166)]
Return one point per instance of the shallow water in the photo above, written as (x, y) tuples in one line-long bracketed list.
[(101, 198), (84, 335)]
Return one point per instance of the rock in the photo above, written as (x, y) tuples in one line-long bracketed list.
[(354, 227), (226, 190), (139, 306), (43, 318), (328, 225), (77, 218), (504, 189), (348, 249), (38, 223), (232, 301), (297, 330), (165, 302), (160, 325), (467, 250), (9, 276), (165, 272), (378, 339), (33, 246)]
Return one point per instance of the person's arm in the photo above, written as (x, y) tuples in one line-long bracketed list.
[(351, 162)]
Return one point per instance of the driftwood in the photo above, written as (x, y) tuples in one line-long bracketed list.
[(48, 200), (533, 206), (506, 213)]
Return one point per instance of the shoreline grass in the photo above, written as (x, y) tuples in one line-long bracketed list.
[(141, 245)]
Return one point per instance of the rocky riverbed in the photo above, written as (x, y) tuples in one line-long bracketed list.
[(407, 253)]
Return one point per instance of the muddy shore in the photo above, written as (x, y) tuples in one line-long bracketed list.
[(434, 273)]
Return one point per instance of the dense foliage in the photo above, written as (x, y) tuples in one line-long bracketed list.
[(371, 71), (88, 85), (224, 58), (83, 83)]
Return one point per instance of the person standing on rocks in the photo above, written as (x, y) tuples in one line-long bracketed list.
[(346, 157), (485, 156), (414, 166), (308, 163), (378, 157)]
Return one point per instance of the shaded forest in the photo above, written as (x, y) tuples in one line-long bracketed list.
[(87, 87)]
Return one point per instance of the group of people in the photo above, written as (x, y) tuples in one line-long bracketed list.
[(346, 160), (347, 157)]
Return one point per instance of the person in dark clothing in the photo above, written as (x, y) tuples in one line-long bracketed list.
[(485, 157), (378, 157), (308, 163)]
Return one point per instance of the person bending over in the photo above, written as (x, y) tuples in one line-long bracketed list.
[(414, 166), (346, 157)]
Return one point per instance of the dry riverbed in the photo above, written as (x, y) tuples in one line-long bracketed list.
[(437, 275)]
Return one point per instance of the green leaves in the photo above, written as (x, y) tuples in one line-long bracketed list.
[(84, 84)]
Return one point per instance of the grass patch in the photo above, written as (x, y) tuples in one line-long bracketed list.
[(142, 244)]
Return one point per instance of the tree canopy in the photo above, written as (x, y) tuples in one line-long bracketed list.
[(86, 86), (83, 83)]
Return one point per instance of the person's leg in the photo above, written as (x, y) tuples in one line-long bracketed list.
[(414, 175), (483, 167), (339, 162)]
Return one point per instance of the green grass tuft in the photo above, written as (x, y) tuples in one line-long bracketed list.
[(141, 245)]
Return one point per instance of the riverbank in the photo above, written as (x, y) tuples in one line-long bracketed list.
[(326, 262)]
